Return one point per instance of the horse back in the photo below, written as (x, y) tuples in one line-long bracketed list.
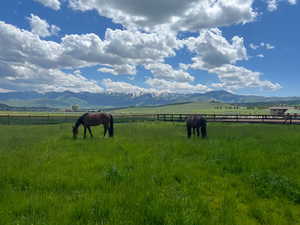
[(196, 121), (94, 119)]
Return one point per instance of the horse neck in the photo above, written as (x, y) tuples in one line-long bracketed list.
[(78, 123)]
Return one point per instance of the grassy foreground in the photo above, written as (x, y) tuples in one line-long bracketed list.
[(150, 174)]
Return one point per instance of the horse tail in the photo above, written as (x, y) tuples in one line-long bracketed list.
[(111, 126)]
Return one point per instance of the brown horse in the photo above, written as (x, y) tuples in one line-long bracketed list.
[(196, 122), (94, 119)]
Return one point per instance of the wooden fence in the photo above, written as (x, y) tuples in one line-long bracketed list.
[(17, 119), (119, 118), (291, 119)]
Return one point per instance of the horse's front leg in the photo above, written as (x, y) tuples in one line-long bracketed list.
[(198, 131), (84, 134), (189, 131), (105, 129), (90, 131)]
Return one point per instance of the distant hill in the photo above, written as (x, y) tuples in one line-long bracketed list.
[(4, 107), (113, 100)]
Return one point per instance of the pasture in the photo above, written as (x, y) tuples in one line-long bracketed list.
[(194, 107), (150, 173)]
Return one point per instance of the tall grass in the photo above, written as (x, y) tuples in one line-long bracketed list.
[(150, 174)]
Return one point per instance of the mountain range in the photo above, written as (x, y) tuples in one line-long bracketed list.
[(113, 100)]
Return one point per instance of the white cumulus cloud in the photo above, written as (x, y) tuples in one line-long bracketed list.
[(124, 87), (269, 46), (260, 56), (41, 28), (29, 77), (166, 72), (233, 78), (176, 15), (292, 2), (54, 4), (176, 87), (272, 5), (213, 50), (262, 45), (140, 47), (253, 46), (119, 69), (29, 63)]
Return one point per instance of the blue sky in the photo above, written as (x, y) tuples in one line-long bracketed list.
[(137, 46)]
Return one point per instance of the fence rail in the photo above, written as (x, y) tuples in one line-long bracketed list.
[(10, 119), (291, 119)]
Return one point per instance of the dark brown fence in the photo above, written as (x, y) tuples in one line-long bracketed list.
[(122, 118), (290, 119), (9, 119)]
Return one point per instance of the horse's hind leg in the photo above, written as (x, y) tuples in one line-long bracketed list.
[(90, 131), (203, 132), (198, 131)]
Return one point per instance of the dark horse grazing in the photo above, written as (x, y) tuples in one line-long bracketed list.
[(94, 119), (196, 122)]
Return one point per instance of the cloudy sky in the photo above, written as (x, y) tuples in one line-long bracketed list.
[(142, 46)]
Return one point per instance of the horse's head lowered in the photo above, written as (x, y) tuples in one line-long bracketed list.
[(75, 131)]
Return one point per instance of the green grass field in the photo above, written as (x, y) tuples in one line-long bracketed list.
[(149, 173), (195, 107)]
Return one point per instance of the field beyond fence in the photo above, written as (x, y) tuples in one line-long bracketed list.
[(28, 119)]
